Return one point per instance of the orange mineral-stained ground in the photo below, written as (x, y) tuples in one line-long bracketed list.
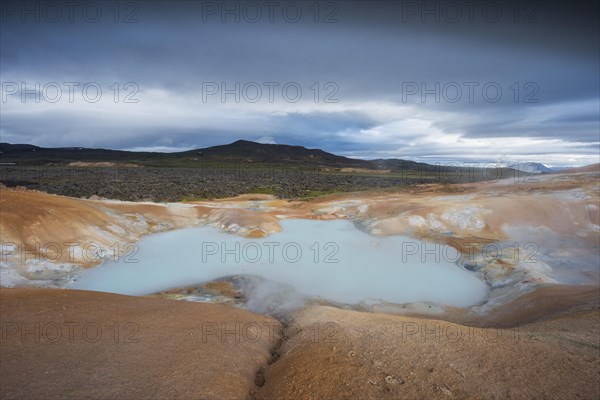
[(537, 335)]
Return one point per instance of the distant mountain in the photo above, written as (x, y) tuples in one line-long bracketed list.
[(532, 167), (244, 150), (406, 165), (30, 153), (239, 151)]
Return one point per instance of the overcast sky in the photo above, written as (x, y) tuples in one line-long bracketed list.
[(431, 81)]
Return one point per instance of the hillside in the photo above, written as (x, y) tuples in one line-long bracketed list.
[(249, 154), (239, 151), (243, 150)]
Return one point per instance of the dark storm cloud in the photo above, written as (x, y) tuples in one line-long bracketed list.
[(375, 53)]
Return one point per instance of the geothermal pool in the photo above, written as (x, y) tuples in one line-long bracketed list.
[(332, 260)]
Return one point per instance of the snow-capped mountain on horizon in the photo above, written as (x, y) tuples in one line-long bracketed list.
[(533, 167)]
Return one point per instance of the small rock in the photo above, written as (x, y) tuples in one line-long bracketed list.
[(393, 380), (446, 391)]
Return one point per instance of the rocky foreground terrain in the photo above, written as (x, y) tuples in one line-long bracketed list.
[(131, 182), (536, 335), (72, 344), (211, 181)]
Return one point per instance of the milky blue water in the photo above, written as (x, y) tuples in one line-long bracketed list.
[(328, 259)]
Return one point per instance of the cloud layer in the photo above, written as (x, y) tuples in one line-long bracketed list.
[(364, 79)]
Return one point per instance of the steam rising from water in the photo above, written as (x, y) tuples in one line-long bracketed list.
[(268, 297)]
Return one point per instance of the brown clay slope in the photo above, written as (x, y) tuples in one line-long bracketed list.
[(159, 350), (544, 303), (375, 356), (30, 217)]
